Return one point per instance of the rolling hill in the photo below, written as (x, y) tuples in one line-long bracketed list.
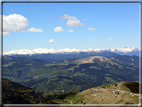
[(17, 68), (79, 74)]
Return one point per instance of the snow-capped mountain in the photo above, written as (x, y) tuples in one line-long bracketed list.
[(121, 51), (126, 51)]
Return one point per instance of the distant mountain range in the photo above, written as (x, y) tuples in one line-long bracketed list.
[(55, 56), (122, 51)]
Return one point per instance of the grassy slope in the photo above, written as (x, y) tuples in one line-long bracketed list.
[(105, 97), (14, 93)]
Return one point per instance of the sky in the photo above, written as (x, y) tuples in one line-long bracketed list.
[(70, 25)]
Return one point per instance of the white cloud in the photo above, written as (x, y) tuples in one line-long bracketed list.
[(91, 28), (35, 30), (85, 19), (69, 30), (83, 41), (72, 21), (110, 39), (51, 41), (58, 29), (66, 41), (14, 22)]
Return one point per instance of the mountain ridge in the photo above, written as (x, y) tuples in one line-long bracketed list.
[(56, 57), (91, 71), (125, 50)]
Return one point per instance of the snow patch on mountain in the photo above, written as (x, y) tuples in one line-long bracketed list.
[(124, 50), (67, 50)]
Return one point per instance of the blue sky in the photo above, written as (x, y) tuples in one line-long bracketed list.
[(70, 25)]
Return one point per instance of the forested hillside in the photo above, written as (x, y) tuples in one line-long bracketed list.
[(70, 74)]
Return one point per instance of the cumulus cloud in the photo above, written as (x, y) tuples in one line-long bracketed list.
[(66, 41), (69, 30), (83, 41), (85, 19), (51, 41), (35, 30), (58, 29), (14, 23), (91, 28), (110, 39), (72, 21)]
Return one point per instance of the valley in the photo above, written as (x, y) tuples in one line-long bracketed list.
[(69, 74), (77, 76)]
